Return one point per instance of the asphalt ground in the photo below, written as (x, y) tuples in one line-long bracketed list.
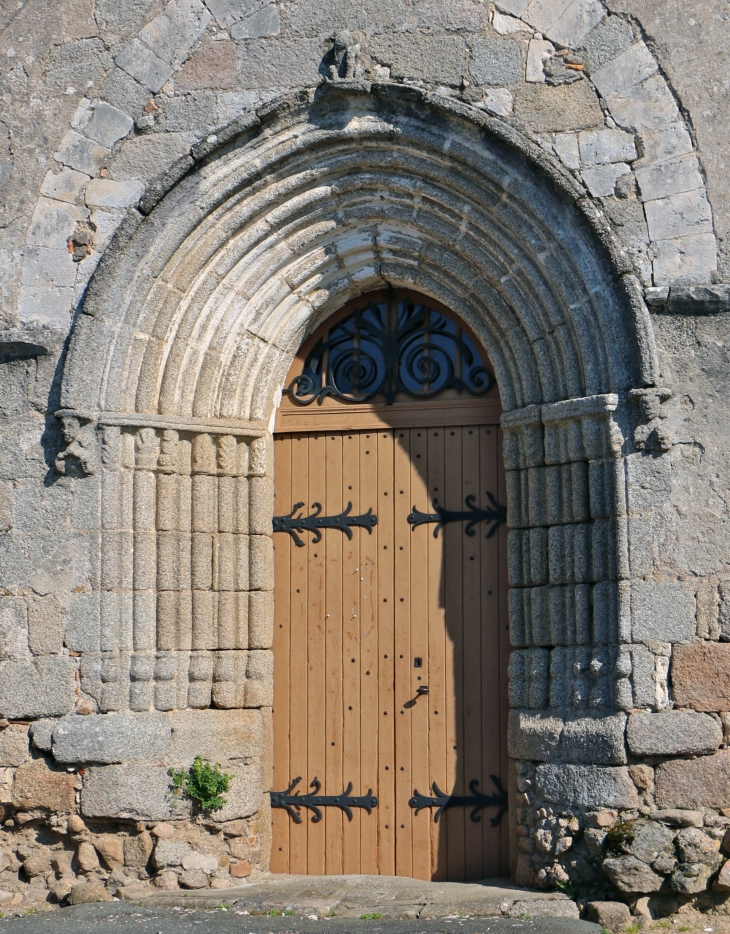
[(120, 917)]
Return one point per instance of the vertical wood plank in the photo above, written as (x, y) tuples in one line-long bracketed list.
[(282, 614), (473, 675), (351, 653), (298, 669), (437, 626), (333, 505), (419, 649), (453, 589), (386, 711), (369, 605), (316, 655), (403, 655)]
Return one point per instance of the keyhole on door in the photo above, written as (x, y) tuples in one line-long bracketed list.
[(418, 663)]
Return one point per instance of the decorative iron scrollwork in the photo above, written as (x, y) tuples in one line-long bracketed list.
[(395, 346), (292, 803), (477, 801), (314, 523), (496, 515)]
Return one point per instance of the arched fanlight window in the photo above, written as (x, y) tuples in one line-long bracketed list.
[(398, 344)]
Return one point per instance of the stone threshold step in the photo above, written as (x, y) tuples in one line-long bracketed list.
[(386, 897)]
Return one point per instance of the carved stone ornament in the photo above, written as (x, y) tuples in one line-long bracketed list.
[(652, 433), (81, 454), (346, 54)]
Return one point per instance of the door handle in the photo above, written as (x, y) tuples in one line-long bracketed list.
[(422, 689)]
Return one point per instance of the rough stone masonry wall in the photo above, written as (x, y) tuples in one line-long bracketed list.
[(645, 775), (94, 114)]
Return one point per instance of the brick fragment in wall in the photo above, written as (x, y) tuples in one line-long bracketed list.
[(673, 733), (563, 736), (694, 783), (701, 676), (586, 786)]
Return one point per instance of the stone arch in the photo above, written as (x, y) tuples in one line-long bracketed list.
[(645, 137), (188, 331)]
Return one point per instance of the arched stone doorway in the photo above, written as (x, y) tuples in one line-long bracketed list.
[(390, 634), (191, 323)]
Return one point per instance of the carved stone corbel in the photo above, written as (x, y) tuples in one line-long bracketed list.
[(651, 434), (81, 454)]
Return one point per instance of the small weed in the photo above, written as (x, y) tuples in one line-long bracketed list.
[(375, 916), (567, 888), (330, 913), (223, 907), (30, 911), (273, 913), (620, 836), (202, 783), (633, 929), (525, 917), (684, 927), (663, 924), (287, 912)]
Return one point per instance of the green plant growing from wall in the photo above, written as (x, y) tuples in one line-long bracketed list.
[(203, 783)]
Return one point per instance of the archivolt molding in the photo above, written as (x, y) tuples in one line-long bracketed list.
[(198, 310), (656, 148)]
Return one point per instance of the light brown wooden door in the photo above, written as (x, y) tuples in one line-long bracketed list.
[(361, 624)]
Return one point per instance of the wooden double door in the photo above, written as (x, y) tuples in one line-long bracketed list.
[(391, 645)]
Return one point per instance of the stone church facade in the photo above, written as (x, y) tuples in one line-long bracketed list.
[(190, 190)]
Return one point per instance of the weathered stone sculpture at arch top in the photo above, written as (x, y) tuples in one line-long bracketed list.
[(186, 336)]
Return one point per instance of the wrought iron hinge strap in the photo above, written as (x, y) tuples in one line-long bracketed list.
[(293, 802), (477, 801), (315, 522), (472, 513)]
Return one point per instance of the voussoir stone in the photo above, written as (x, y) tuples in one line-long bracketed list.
[(701, 676), (587, 786), (673, 733), (111, 738), (694, 783)]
